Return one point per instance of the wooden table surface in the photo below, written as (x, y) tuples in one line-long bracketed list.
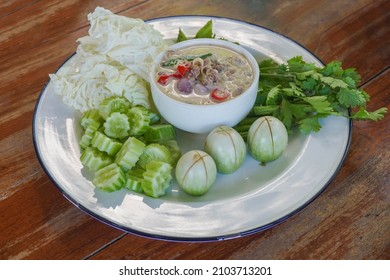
[(349, 220)]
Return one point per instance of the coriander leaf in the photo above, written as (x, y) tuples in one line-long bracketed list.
[(324, 90), (350, 81), (283, 68), (290, 113), (206, 31), (303, 75), (339, 83), (317, 76), (351, 98), (267, 64), (292, 91), (362, 114), (296, 90), (309, 84), (353, 74), (320, 104), (181, 36), (272, 95), (333, 69), (286, 114), (309, 124), (296, 60), (300, 111), (333, 82), (297, 64), (365, 95), (327, 80)]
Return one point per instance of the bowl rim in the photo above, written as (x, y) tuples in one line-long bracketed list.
[(207, 41)]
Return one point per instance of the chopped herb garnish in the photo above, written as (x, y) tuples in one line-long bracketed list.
[(174, 61)]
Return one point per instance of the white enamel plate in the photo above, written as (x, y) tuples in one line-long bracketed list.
[(250, 200)]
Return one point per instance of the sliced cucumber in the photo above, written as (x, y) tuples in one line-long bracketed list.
[(129, 154), (139, 118), (137, 171), (157, 178), (134, 178), (110, 178), (155, 151), (117, 125), (89, 132), (91, 117), (114, 104), (105, 144), (95, 159), (160, 132), (134, 181), (154, 117), (174, 148)]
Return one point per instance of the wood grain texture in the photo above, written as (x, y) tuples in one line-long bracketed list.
[(350, 220)]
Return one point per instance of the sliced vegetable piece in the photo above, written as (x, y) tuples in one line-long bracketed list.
[(95, 159), (133, 183), (129, 154), (113, 104), (157, 178), (157, 152), (183, 68), (139, 118), (174, 148), (105, 144), (163, 79), (160, 132), (117, 125), (154, 117), (218, 95), (110, 178), (91, 117), (89, 132)]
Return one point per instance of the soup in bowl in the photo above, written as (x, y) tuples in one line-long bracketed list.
[(203, 83)]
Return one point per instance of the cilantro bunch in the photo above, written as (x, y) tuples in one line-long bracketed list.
[(300, 94)]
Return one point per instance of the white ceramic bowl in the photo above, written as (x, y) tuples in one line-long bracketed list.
[(203, 118)]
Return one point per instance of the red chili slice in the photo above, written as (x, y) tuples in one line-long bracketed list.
[(177, 75), (219, 95), (182, 69), (162, 79)]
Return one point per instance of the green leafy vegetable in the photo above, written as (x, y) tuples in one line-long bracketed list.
[(300, 94), (181, 36), (174, 61), (206, 31)]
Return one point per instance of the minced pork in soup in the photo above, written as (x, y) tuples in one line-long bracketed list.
[(204, 74)]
